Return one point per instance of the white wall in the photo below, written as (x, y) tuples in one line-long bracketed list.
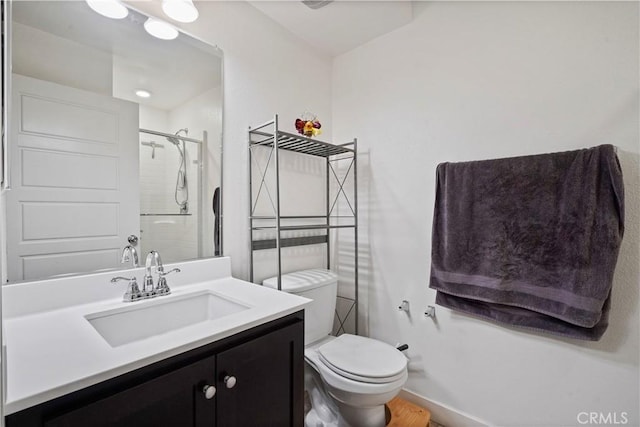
[(266, 71), (44, 56), (480, 80)]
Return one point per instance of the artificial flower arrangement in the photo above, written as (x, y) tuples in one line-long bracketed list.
[(308, 125)]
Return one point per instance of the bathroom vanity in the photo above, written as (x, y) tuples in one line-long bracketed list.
[(240, 365)]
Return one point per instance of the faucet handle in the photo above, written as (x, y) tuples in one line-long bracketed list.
[(163, 287), (173, 270), (133, 291), (119, 278)]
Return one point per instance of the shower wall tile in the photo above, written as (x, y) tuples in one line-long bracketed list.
[(175, 237)]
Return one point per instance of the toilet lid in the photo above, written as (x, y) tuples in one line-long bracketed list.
[(300, 281), (363, 359)]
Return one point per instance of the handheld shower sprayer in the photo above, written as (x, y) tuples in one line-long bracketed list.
[(181, 179)]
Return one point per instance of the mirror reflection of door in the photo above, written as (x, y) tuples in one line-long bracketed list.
[(94, 162), (75, 194)]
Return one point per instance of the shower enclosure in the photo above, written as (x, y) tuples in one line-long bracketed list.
[(171, 199)]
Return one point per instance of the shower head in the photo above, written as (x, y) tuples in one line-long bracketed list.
[(176, 141)]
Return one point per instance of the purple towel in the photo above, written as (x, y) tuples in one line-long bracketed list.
[(530, 241)]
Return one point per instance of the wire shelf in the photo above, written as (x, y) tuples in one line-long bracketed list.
[(266, 231), (299, 144)]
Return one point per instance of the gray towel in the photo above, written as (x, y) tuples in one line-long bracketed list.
[(530, 241)]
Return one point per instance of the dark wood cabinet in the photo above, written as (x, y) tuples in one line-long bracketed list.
[(258, 378), (265, 372), (175, 399)]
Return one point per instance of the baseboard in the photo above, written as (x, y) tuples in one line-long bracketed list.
[(441, 413)]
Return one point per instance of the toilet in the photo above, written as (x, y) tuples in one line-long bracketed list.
[(348, 378)]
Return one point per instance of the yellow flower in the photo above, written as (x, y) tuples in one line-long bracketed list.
[(308, 129)]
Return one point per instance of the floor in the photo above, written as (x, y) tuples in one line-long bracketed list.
[(401, 413)]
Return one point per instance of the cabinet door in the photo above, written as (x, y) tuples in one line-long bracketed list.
[(176, 399), (269, 381)]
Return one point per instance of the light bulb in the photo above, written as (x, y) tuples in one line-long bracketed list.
[(109, 8), (143, 93), (180, 10), (160, 29)]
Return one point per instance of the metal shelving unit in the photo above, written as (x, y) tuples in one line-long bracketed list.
[(269, 136)]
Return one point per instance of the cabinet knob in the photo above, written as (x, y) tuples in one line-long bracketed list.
[(209, 391), (230, 381)]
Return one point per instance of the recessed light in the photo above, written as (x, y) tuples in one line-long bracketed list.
[(143, 93), (180, 10), (109, 8), (160, 29)]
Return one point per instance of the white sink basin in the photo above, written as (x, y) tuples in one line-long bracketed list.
[(145, 319)]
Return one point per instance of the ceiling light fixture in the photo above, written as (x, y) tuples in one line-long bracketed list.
[(143, 93), (160, 29), (110, 8), (316, 4), (180, 10)]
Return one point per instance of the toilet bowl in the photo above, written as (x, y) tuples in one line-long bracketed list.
[(348, 378), (360, 374)]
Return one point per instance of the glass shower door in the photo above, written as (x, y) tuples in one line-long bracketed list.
[(171, 208)]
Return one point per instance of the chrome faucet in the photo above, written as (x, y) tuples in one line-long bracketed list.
[(133, 292), (147, 285), (129, 253), (162, 287)]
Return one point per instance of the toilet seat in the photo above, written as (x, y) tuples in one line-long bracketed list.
[(345, 389), (363, 359)]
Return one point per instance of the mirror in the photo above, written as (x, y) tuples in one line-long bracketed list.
[(95, 166)]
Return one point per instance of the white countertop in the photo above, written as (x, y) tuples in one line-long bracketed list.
[(53, 350)]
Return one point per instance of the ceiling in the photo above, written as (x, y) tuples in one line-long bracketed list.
[(141, 61), (340, 26)]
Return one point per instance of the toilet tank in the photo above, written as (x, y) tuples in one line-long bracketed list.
[(319, 285)]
